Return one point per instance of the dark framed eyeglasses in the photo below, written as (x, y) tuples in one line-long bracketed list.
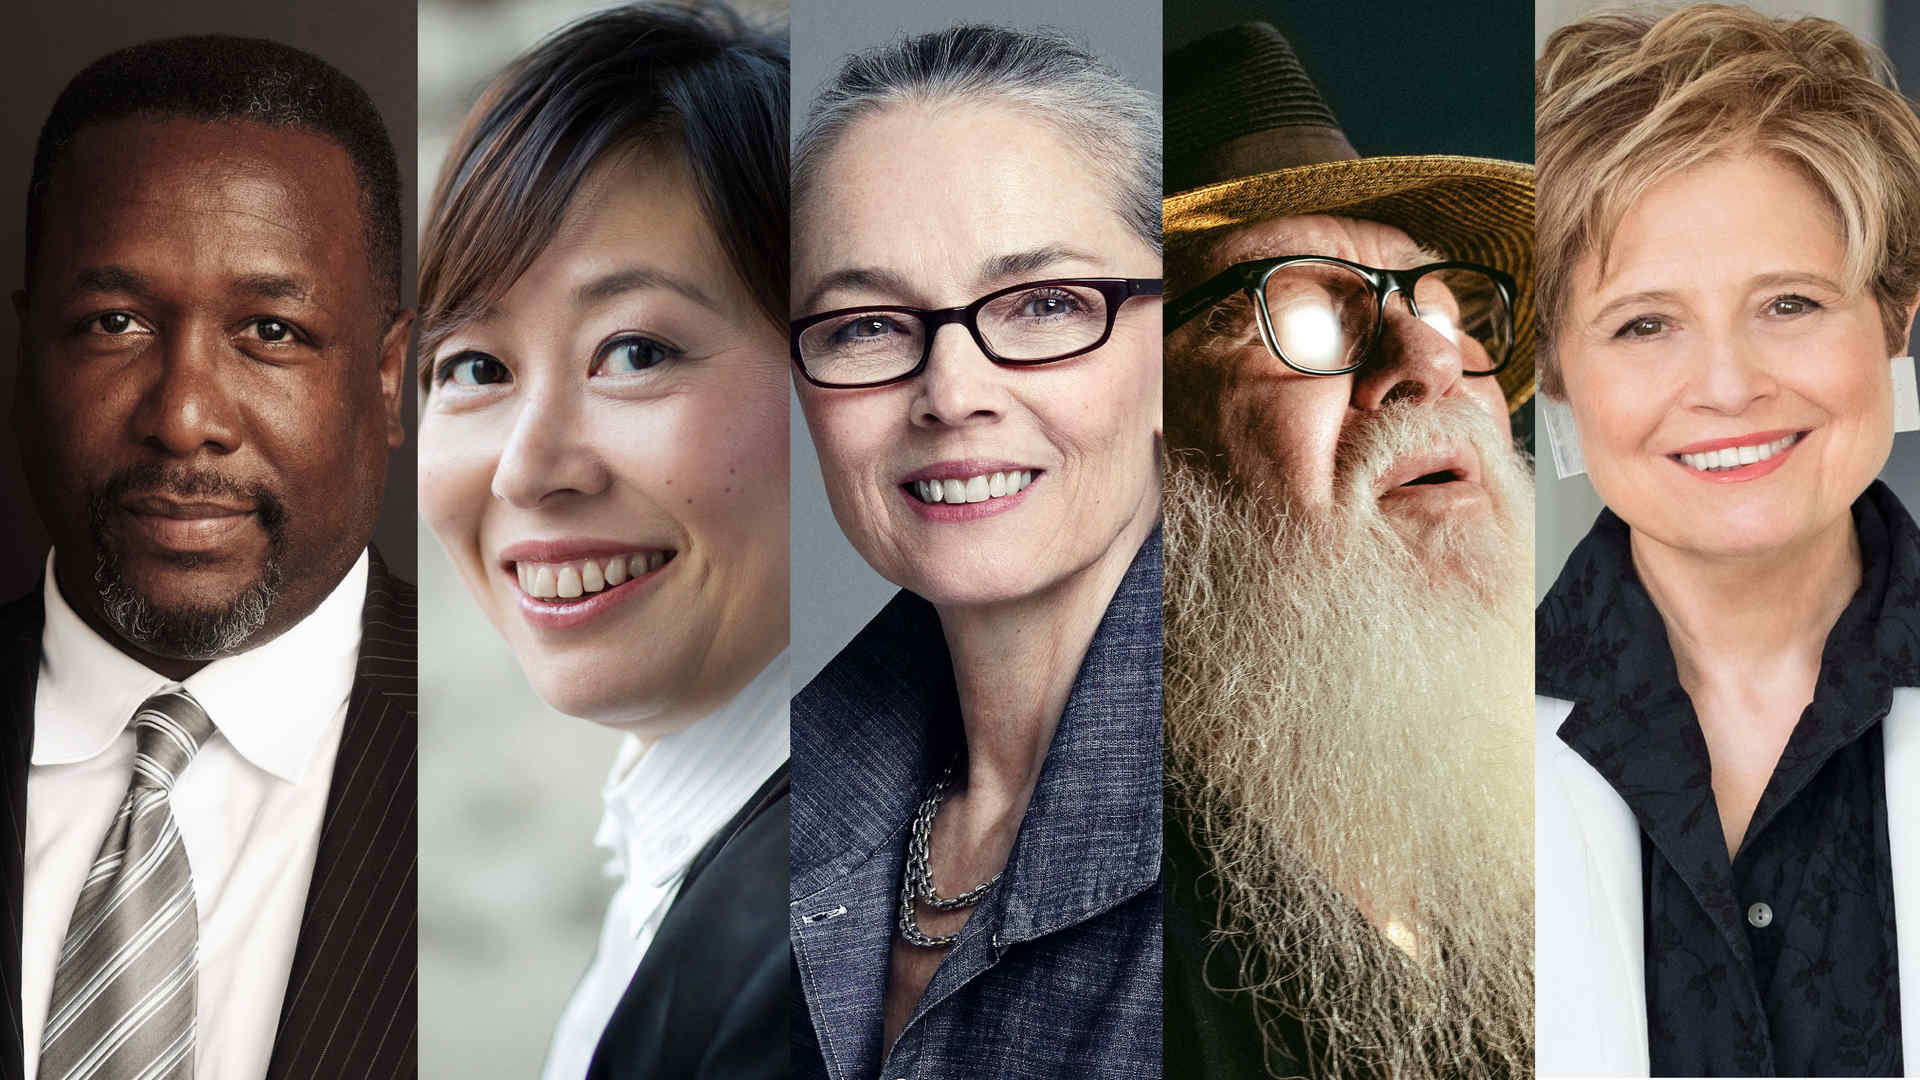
[(1324, 316), (1038, 322)]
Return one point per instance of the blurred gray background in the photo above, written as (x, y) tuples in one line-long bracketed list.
[(511, 889), (46, 44), (1566, 508), (834, 592)]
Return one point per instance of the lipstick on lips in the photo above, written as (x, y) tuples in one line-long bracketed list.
[(1740, 458), (563, 583), (967, 490)]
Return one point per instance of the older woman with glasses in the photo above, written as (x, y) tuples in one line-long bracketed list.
[(976, 816), (1729, 240)]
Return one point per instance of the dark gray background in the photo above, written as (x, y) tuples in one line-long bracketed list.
[(47, 43), (834, 592)]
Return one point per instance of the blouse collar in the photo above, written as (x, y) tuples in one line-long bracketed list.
[(665, 801), (874, 725)]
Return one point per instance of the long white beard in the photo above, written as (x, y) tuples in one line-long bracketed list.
[(1348, 718)]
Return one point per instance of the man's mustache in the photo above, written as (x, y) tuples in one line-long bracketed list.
[(1370, 445), (183, 482)]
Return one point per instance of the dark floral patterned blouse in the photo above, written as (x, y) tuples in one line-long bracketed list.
[(1781, 961)]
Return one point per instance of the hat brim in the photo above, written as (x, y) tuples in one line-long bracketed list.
[(1472, 209)]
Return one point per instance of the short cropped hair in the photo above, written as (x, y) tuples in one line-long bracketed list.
[(1628, 99), (696, 81), (1114, 125), (219, 77)]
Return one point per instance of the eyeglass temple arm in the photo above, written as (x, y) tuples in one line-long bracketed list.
[(1198, 299)]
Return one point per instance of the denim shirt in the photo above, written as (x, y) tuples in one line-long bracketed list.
[(1057, 971)]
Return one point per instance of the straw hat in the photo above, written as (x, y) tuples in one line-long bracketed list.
[(1248, 139)]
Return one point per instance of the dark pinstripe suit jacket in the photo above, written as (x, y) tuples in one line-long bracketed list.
[(349, 1010)]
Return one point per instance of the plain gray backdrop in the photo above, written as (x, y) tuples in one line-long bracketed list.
[(834, 592), (47, 43)]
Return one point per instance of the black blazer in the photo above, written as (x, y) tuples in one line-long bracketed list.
[(710, 997), (350, 1008)]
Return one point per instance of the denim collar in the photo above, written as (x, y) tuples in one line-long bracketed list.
[(872, 727), (868, 733)]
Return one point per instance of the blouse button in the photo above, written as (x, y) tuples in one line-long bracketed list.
[(1759, 916)]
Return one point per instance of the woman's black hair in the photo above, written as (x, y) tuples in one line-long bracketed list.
[(696, 80)]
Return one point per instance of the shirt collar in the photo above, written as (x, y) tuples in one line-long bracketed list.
[(1597, 626), (883, 715), (1100, 789), (1601, 644), (665, 801), (275, 703)]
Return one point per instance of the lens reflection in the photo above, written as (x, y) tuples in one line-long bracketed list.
[(1322, 314)]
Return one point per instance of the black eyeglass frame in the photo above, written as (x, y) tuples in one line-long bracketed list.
[(1252, 277), (1117, 291)]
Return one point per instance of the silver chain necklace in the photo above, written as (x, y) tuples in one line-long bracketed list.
[(918, 885)]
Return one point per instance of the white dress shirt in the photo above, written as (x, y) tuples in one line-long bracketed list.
[(663, 804), (248, 806)]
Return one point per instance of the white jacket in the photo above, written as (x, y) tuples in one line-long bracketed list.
[(1590, 980)]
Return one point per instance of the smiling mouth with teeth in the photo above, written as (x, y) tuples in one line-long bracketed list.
[(1734, 457), (971, 489), (575, 578)]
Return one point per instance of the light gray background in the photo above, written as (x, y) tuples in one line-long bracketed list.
[(834, 592), (511, 889), (1566, 508)]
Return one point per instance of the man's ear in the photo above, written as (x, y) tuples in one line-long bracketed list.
[(393, 376)]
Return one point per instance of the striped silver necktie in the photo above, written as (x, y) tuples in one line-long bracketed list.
[(124, 989)]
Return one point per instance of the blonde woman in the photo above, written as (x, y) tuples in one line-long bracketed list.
[(1728, 845)]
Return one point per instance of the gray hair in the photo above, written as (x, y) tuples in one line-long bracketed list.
[(1114, 125)]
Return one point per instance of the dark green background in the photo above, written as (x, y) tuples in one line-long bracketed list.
[(1403, 77)]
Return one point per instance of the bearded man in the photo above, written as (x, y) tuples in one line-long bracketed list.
[(1349, 884)]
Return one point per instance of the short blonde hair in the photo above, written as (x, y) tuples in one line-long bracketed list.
[(1626, 99)]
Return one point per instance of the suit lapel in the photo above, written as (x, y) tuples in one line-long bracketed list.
[(1590, 1006), (710, 997), (20, 624), (350, 1004)]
